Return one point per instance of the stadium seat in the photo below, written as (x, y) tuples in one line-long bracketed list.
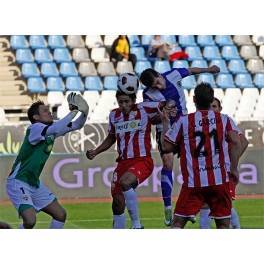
[(141, 66), (180, 64), (62, 55), (170, 39), (242, 40), (205, 40), (110, 82), (219, 93), (18, 42), (162, 66), (99, 55), (80, 55), (258, 39), (24, 55), (74, 84), (93, 41), (139, 52), (255, 65), (146, 39), (124, 66), (259, 80), (55, 84), (133, 40), (36, 85), (221, 64), (199, 64), (225, 80), (63, 110), (188, 82), (109, 39), (211, 53), (30, 70), (243, 80), (106, 68), (43, 55), (49, 70), (194, 53), (68, 69), (230, 101), (93, 83), (87, 69), (55, 98), (237, 66), (248, 52), (187, 40), (75, 41), (230, 52), (261, 51), (207, 78), (92, 98), (259, 109), (37, 42), (3, 118), (190, 104), (223, 40), (56, 41)]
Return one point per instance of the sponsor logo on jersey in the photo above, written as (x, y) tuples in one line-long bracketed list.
[(127, 126)]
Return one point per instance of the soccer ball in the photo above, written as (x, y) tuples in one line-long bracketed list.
[(128, 83)]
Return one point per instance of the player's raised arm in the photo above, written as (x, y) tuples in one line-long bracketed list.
[(213, 69)]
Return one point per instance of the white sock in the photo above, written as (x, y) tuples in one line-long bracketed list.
[(56, 224), (21, 226), (205, 220), (132, 207), (234, 219), (119, 221)]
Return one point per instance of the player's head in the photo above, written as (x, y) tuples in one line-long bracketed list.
[(216, 105), (153, 79), (125, 101), (203, 96), (39, 112)]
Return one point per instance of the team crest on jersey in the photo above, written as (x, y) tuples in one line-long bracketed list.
[(127, 126)]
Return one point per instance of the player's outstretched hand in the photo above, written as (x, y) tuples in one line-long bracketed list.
[(72, 102), (214, 69), (81, 104), (90, 154)]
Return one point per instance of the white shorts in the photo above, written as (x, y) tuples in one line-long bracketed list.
[(21, 193)]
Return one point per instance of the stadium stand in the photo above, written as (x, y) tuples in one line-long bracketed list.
[(48, 67)]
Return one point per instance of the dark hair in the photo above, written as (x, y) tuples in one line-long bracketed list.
[(147, 77), (34, 110), (131, 96), (218, 101), (204, 95)]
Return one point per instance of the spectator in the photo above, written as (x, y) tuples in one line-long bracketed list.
[(158, 48)]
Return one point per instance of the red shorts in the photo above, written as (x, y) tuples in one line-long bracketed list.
[(232, 187), (141, 167), (217, 197)]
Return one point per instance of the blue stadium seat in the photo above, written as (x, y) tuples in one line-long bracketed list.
[(211, 53), (244, 80), (237, 66), (141, 66), (221, 64), (205, 40), (188, 82), (55, 84), (194, 53), (37, 42), (49, 69), (139, 52), (93, 83), (223, 40), (43, 55), (170, 39), (56, 41), (68, 69), (30, 70), (18, 42), (207, 78), (24, 55), (259, 80), (74, 84), (62, 55), (180, 64), (110, 83), (199, 63), (230, 52), (146, 39), (225, 80), (133, 40), (36, 85), (162, 66), (187, 40)]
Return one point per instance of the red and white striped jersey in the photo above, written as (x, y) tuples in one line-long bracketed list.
[(133, 130), (203, 145)]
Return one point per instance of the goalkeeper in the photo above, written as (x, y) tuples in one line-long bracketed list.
[(27, 193)]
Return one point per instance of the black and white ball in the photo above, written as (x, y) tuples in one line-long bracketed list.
[(128, 83)]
